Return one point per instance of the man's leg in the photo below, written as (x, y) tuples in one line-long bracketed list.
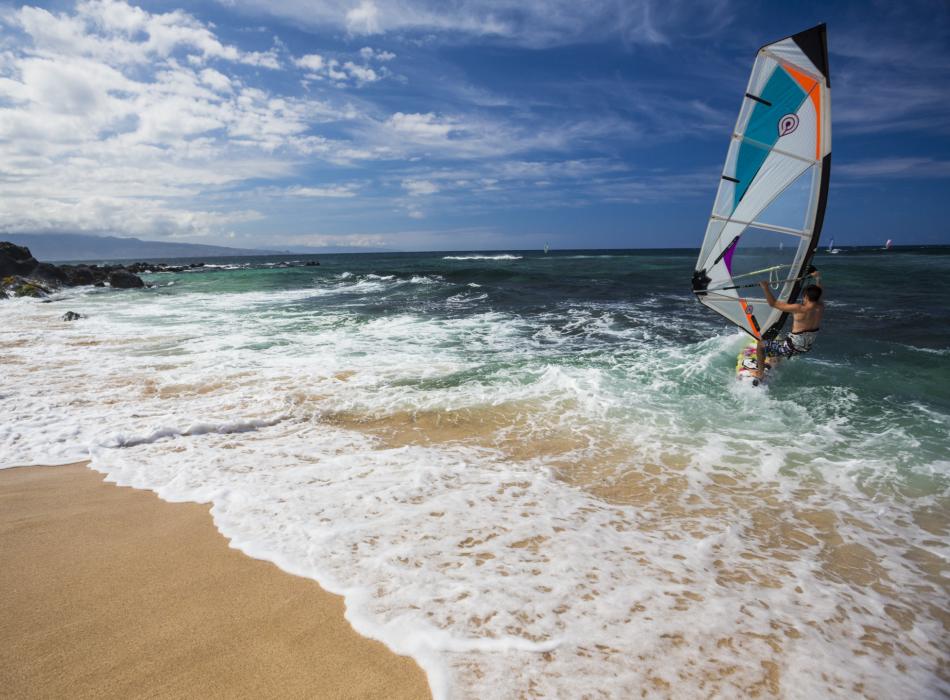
[(760, 359)]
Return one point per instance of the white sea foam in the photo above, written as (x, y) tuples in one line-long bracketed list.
[(476, 556), (483, 257)]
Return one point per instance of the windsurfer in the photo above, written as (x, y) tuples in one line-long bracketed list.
[(806, 318)]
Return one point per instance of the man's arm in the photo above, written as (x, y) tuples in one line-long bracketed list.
[(776, 304)]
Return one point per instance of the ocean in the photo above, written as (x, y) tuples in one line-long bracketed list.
[(536, 474)]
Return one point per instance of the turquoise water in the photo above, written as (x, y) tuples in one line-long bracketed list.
[(536, 473), (885, 341)]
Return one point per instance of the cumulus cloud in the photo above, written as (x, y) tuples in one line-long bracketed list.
[(312, 61), (114, 31), (112, 117), (418, 188), (346, 72), (423, 127), (369, 53)]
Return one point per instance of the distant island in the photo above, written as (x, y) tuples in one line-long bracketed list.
[(77, 246)]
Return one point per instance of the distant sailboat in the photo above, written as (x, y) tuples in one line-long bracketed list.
[(832, 249), (545, 248), (889, 244)]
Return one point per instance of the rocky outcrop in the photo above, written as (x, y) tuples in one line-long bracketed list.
[(123, 279), (15, 260), (78, 275), (50, 273), (140, 267), (71, 316), (22, 275)]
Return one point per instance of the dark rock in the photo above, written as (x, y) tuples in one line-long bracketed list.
[(78, 274), (71, 316), (141, 267), (15, 260), (22, 275), (50, 273), (312, 263), (123, 279)]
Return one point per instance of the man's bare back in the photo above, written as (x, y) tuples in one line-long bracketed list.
[(806, 316)]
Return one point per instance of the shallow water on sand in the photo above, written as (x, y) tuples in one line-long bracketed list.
[(535, 473)]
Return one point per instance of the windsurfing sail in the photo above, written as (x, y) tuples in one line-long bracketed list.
[(767, 216), (831, 246)]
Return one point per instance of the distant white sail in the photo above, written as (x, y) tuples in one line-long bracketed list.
[(774, 186)]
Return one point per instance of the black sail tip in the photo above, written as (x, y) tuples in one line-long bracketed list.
[(814, 44)]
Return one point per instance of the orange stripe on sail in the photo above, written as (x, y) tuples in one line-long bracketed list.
[(748, 317), (810, 85)]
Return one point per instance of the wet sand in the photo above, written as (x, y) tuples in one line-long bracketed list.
[(110, 592)]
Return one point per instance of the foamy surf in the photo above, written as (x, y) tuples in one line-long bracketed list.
[(483, 257), (542, 503)]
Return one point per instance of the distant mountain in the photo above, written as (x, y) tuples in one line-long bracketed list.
[(77, 246)]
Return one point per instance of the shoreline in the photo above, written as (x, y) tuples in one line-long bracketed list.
[(110, 591)]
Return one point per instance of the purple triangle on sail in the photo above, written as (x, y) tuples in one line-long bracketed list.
[(727, 256)]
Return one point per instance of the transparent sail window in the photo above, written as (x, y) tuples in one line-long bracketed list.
[(792, 207), (763, 255)]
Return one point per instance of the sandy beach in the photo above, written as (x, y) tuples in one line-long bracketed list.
[(111, 592)]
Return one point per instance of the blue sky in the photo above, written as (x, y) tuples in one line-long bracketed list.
[(418, 124)]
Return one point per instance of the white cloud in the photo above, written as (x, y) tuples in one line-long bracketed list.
[(423, 127), (902, 167), (334, 191), (312, 61), (116, 32), (418, 188), (320, 240), (103, 127), (106, 214), (362, 74), (364, 18), (215, 80), (342, 73), (369, 54)]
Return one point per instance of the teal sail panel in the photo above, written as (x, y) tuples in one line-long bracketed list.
[(784, 97)]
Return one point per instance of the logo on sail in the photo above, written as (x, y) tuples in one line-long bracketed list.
[(787, 124)]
